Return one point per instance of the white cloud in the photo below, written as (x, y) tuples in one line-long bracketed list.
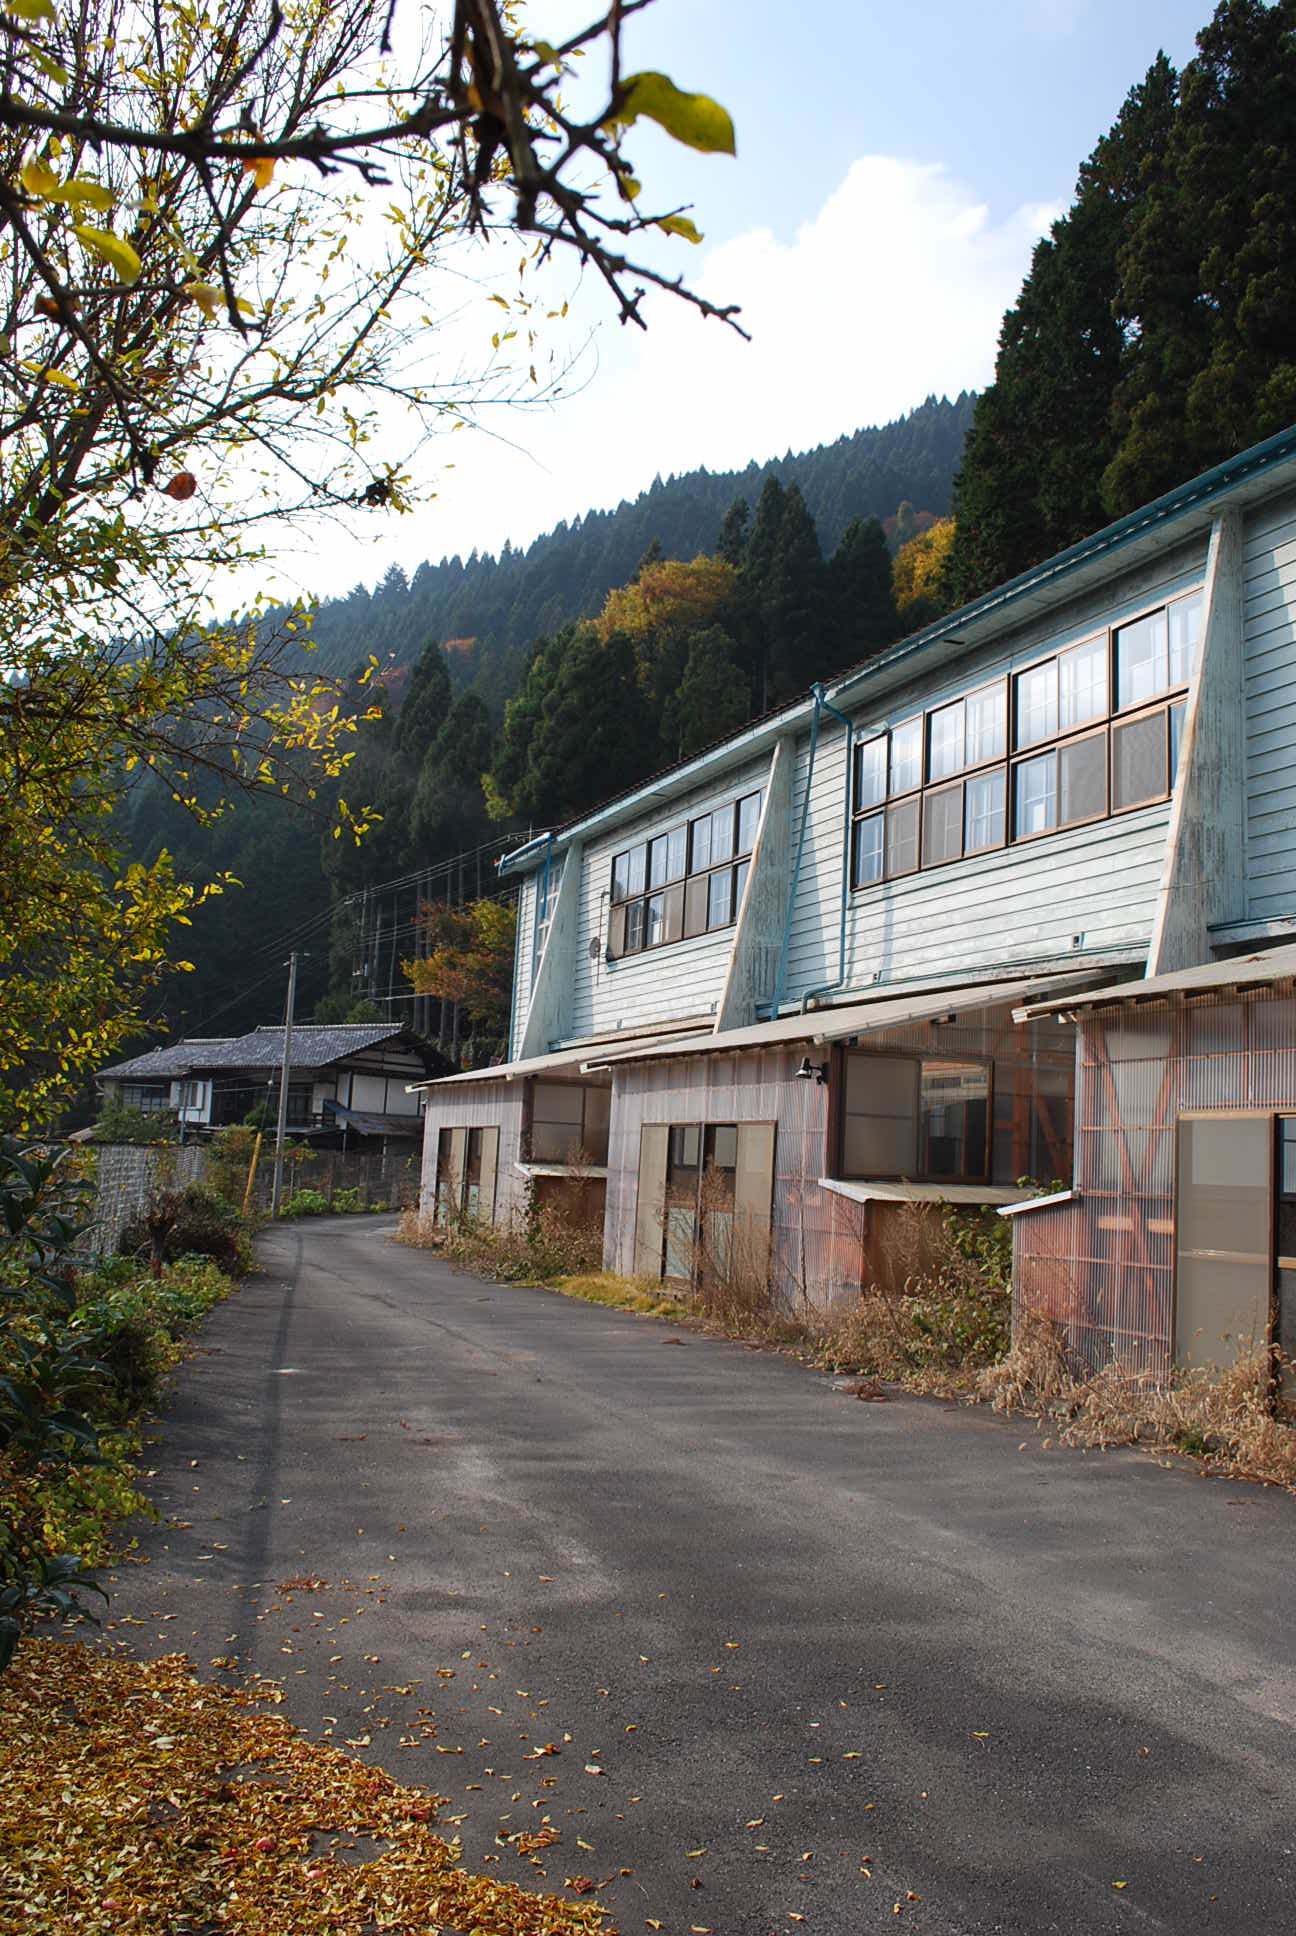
[(893, 291)]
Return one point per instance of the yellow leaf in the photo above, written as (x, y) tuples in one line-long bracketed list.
[(695, 119), (261, 169), (51, 376), (30, 9), (206, 295), (680, 225), (38, 178), (87, 194), (118, 254), (50, 67)]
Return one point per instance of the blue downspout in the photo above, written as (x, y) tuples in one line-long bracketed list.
[(832, 986), (776, 1004), (513, 1004)]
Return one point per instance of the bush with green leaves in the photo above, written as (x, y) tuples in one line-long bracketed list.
[(306, 1203), (120, 1123), (80, 1355), (49, 1377)]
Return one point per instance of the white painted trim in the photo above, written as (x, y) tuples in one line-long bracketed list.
[(955, 1194), (1040, 1203), (561, 1169)]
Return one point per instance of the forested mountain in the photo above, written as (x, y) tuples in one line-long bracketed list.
[(1153, 337), (488, 610), (528, 687)]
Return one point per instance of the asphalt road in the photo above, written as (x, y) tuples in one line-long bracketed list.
[(878, 1666)]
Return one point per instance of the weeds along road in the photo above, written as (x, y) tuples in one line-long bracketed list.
[(806, 1661)]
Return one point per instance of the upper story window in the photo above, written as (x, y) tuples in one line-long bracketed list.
[(685, 881), (1090, 731)]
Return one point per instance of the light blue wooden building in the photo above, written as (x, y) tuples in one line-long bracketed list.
[(832, 965)]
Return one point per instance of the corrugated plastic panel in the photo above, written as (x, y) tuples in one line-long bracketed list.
[(1103, 1267)]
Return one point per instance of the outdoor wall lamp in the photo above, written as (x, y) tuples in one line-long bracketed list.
[(812, 1071)]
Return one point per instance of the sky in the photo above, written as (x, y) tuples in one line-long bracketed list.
[(895, 166)]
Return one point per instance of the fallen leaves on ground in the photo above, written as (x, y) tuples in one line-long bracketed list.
[(137, 1798)]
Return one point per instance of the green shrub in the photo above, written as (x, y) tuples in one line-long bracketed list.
[(121, 1124), (134, 1326), (306, 1203), (347, 1202)]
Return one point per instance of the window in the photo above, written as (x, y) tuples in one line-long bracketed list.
[(1082, 684), (866, 859), (1140, 755), (569, 1122), (684, 881), (902, 838), (1082, 779), (749, 812), (1037, 713), (945, 742), (942, 832), (870, 772), (907, 756), (1035, 807), (987, 725), (985, 812), (144, 1096), (915, 1118), (720, 900), (1096, 729)]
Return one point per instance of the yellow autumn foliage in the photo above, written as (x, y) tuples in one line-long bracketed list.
[(916, 571)]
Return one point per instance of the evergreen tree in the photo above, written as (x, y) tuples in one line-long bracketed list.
[(506, 780), (732, 541), (428, 699), (448, 812), (1041, 436), (714, 698), (1208, 272), (861, 601), (595, 736), (794, 604)]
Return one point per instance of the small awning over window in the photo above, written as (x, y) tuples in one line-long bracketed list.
[(991, 1194), (375, 1122)]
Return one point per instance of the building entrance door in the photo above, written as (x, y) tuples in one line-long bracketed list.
[(1224, 1238)]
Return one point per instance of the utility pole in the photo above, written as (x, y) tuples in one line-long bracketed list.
[(283, 1085)]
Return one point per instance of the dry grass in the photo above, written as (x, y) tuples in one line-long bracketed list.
[(545, 1247), (646, 1295), (1225, 1420)]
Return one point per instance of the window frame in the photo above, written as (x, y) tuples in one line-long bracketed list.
[(1169, 703), (917, 1057), (672, 891)]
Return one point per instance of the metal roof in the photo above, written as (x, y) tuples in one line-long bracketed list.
[(575, 1055), (176, 1059), (1256, 970), (1182, 512), (314, 1046), (855, 1018)]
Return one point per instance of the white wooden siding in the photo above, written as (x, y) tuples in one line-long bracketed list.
[(1269, 624), (1024, 902), (662, 984)]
